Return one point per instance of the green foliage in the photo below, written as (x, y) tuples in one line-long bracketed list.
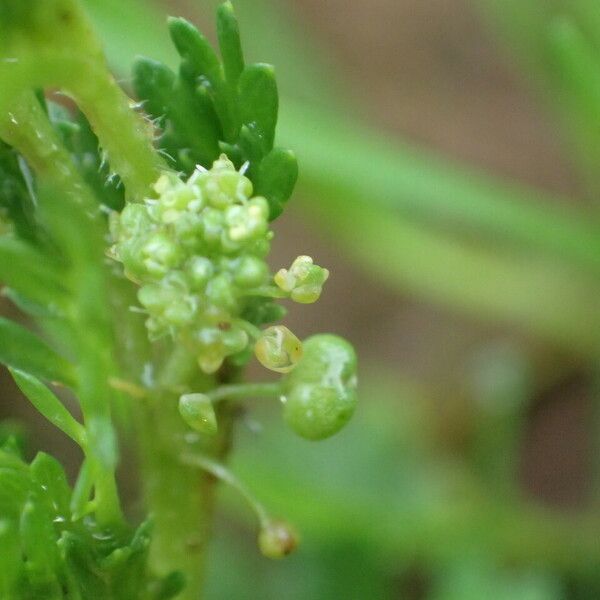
[(48, 554), (211, 107), (22, 350)]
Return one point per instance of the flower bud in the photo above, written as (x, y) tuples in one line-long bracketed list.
[(223, 185), (250, 272), (246, 222), (278, 349), (277, 539), (160, 254), (320, 393), (199, 270), (303, 281), (198, 412)]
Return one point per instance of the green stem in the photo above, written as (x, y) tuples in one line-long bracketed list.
[(245, 390), (178, 495)]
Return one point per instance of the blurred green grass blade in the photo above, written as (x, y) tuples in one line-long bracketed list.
[(29, 272), (419, 185), (577, 69), (49, 406), (545, 299), (21, 349)]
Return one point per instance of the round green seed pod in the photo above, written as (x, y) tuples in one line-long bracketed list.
[(320, 393), (277, 539)]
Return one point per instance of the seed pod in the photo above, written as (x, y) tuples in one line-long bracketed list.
[(198, 412), (277, 539), (320, 393), (278, 349)]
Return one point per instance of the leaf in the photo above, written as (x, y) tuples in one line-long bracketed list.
[(49, 406), (10, 563), (200, 67), (277, 177), (21, 349), (577, 70), (230, 44), (259, 101), (30, 272), (186, 114), (38, 543), (49, 474)]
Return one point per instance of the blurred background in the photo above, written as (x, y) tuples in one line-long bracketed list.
[(448, 153)]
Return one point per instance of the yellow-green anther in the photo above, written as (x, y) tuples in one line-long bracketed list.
[(198, 412), (278, 349), (303, 280), (277, 539)]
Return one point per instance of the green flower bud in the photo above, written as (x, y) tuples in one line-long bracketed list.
[(221, 292), (213, 223), (278, 349), (189, 230), (223, 185), (216, 338), (176, 197), (277, 539), (169, 301), (161, 254), (250, 272), (303, 281), (320, 393), (247, 222), (133, 221), (199, 270), (198, 412)]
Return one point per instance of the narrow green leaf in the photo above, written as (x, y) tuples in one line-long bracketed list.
[(21, 349), (577, 68), (277, 177), (49, 474), (193, 123), (50, 406), (153, 84), (230, 44), (38, 544), (29, 272), (201, 67), (259, 101), (10, 563), (82, 490), (198, 57)]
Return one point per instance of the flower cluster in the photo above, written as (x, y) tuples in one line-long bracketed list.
[(197, 249)]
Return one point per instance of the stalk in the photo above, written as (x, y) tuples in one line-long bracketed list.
[(179, 497)]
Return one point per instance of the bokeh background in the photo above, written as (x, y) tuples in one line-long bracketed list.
[(447, 180)]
